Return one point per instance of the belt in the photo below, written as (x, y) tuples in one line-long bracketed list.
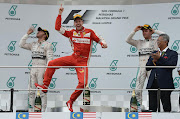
[(144, 54), (43, 57)]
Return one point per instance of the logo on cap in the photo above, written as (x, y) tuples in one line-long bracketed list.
[(146, 26), (77, 16), (45, 31)]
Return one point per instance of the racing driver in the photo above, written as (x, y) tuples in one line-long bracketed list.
[(42, 53), (81, 40), (145, 48)]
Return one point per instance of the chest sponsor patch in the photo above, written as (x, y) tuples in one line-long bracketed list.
[(86, 34), (81, 40), (146, 51)]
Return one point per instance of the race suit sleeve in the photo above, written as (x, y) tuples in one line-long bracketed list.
[(23, 43), (178, 69), (60, 29), (49, 52), (132, 41), (99, 39), (159, 32)]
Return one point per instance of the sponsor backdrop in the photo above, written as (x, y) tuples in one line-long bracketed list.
[(113, 23)]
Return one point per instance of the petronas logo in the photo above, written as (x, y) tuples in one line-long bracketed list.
[(30, 65), (53, 83), (72, 69), (11, 46), (155, 26), (175, 45), (113, 65), (133, 49), (10, 82), (34, 25), (133, 83), (175, 9), (94, 49), (54, 46), (93, 84), (29, 106), (176, 82), (12, 10)]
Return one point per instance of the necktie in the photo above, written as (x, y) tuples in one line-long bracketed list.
[(162, 53)]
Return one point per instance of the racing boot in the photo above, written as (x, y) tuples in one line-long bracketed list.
[(41, 87), (69, 105)]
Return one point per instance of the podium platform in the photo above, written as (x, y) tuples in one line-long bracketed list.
[(89, 108), (99, 115)]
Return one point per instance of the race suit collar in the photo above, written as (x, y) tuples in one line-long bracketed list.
[(41, 41), (147, 39), (80, 30)]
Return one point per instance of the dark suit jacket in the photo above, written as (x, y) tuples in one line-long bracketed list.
[(164, 75)]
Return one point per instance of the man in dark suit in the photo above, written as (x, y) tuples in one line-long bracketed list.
[(161, 77)]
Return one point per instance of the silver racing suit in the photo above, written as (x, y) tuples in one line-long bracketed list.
[(42, 53), (145, 48)]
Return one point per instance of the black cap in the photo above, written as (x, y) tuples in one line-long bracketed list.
[(45, 31), (77, 16), (146, 26)]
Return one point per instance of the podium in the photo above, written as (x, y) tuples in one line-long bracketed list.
[(89, 108)]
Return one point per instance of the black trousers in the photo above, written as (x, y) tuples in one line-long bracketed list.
[(165, 97)]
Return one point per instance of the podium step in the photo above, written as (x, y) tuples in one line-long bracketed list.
[(89, 108)]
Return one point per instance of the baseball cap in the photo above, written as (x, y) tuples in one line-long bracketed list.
[(45, 31), (77, 16), (146, 26)]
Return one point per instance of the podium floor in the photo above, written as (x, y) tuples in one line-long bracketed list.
[(89, 108)]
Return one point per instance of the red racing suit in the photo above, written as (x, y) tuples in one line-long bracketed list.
[(81, 42)]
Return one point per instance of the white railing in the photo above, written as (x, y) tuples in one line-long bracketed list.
[(125, 89), (120, 89), (84, 78), (89, 66)]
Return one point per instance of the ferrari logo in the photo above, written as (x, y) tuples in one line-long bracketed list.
[(75, 33), (84, 33), (81, 71)]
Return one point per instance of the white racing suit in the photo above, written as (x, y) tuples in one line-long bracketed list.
[(178, 69), (42, 53), (145, 48)]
